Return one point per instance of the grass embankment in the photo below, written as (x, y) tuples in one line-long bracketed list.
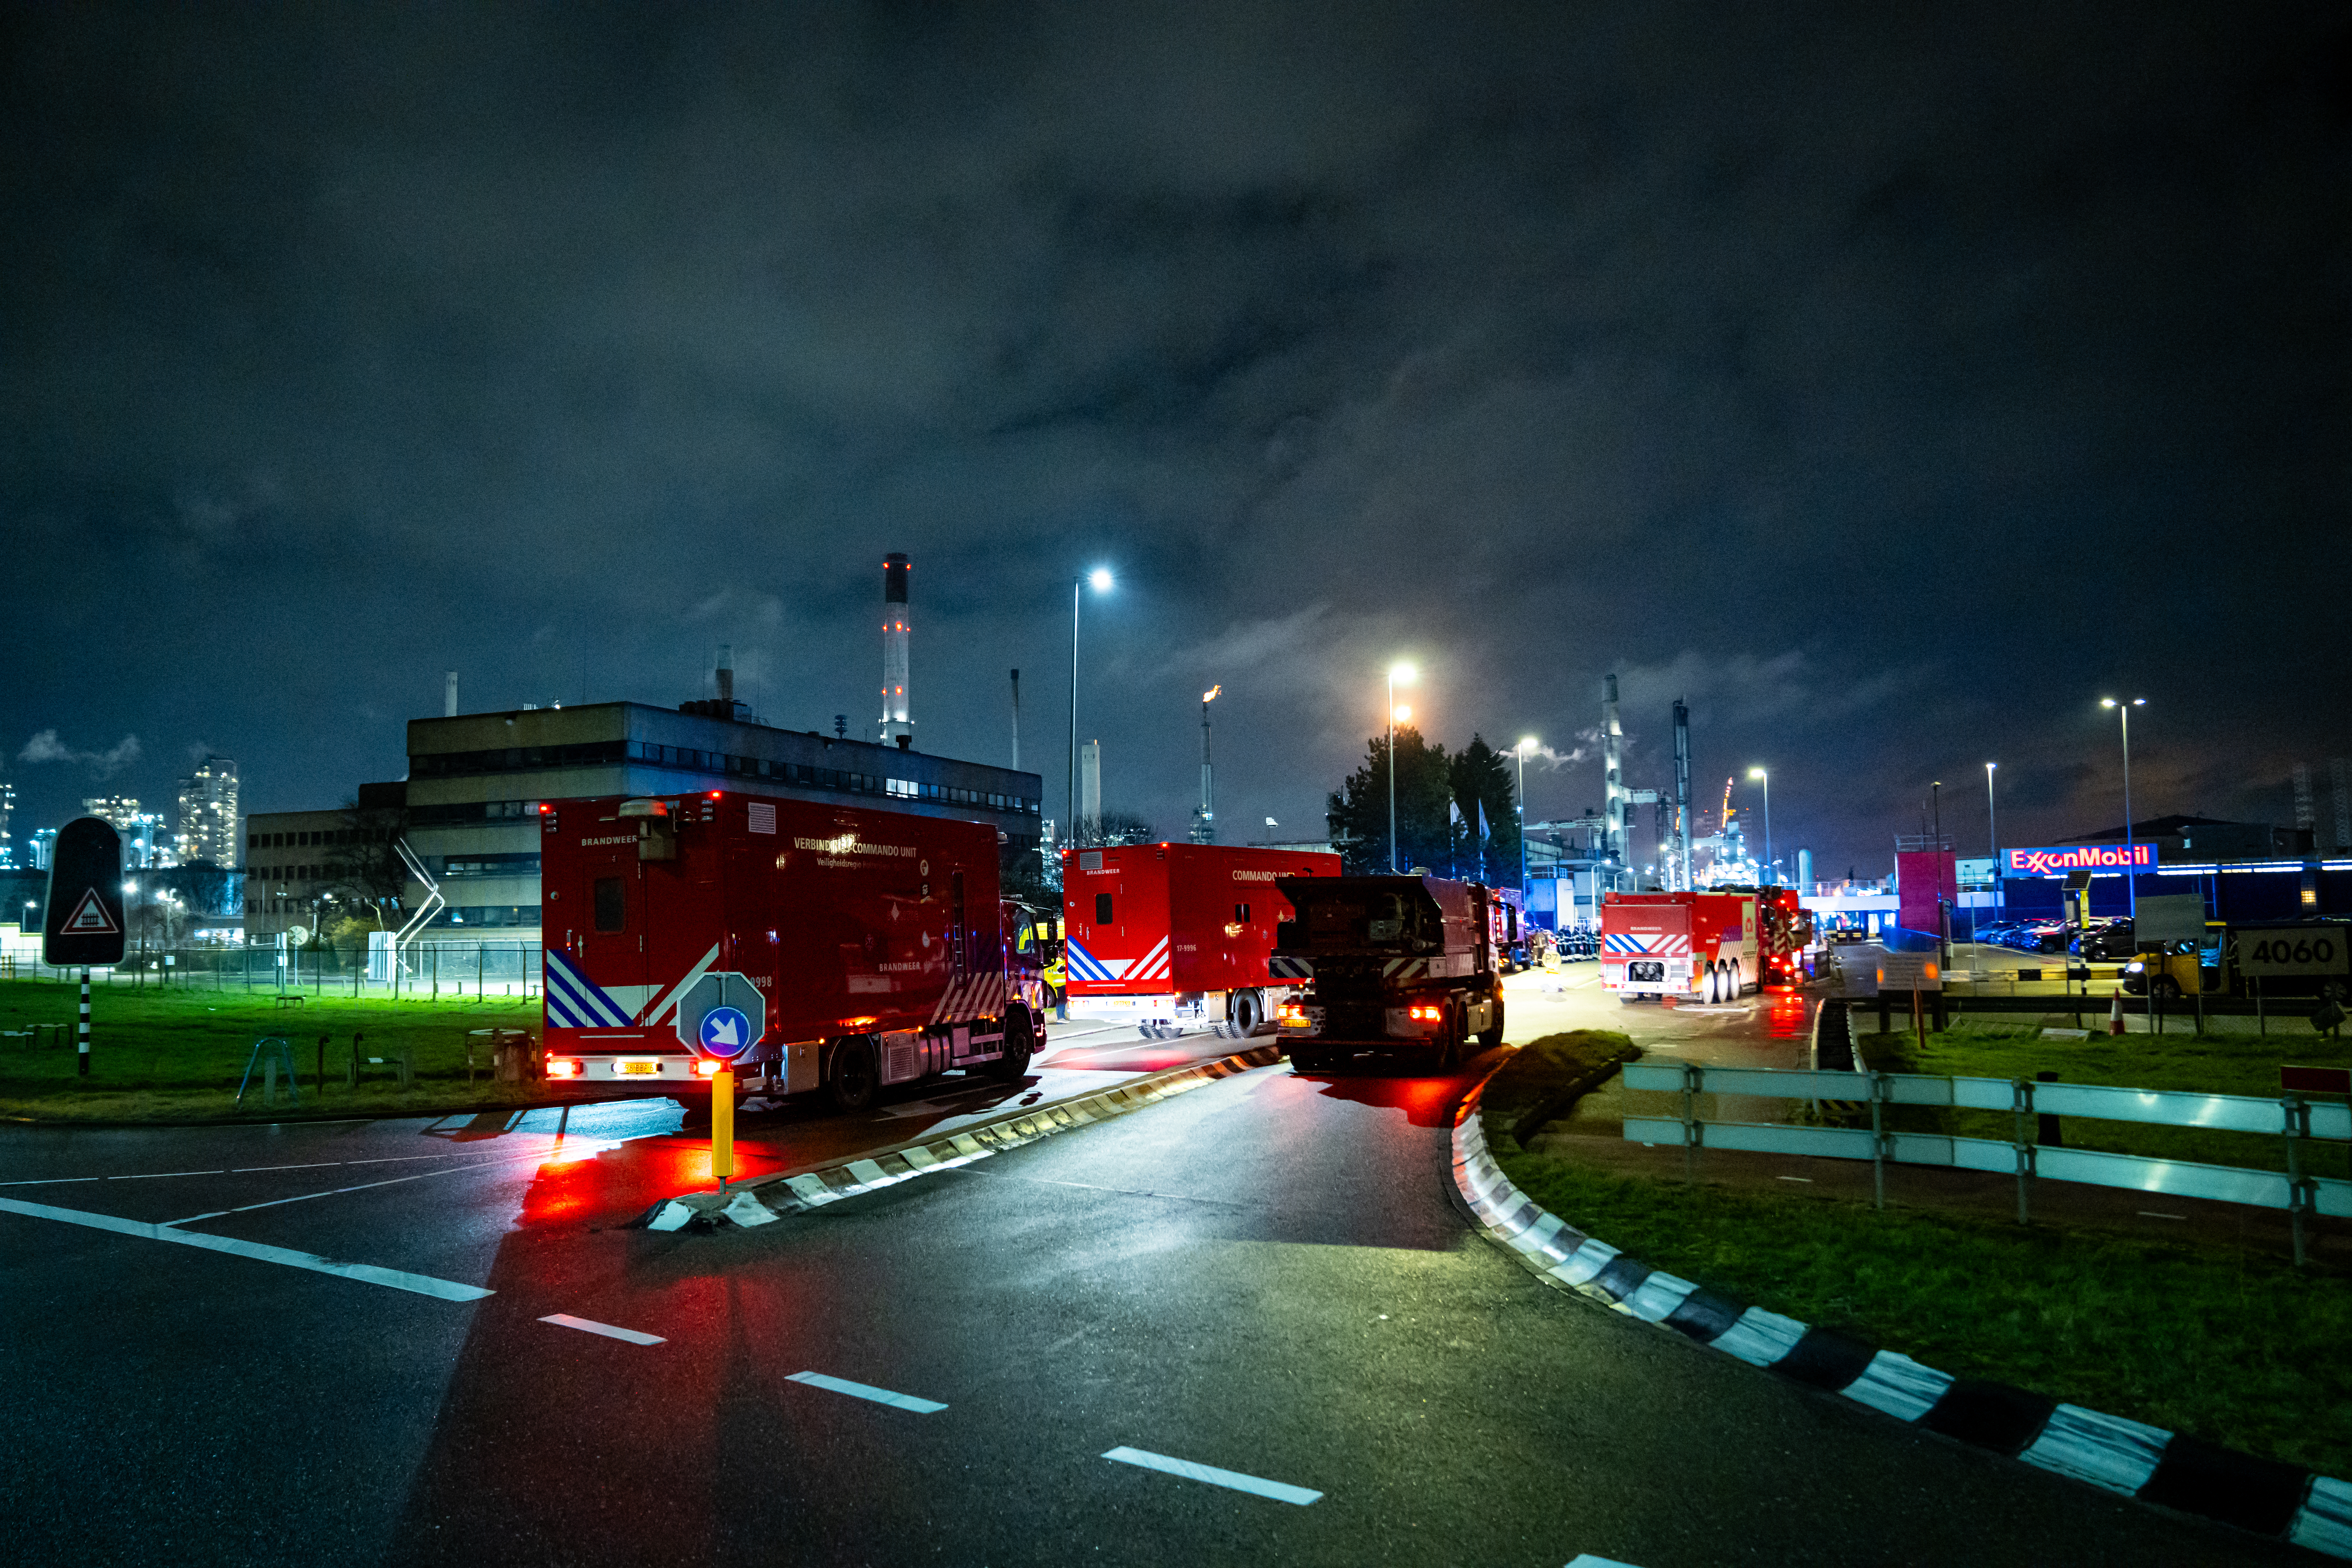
[(176, 1054), (2199, 1064), (1543, 1077), (2231, 1345)]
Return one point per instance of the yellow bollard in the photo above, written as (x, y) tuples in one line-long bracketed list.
[(722, 1124)]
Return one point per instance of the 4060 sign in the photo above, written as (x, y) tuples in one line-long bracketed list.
[(2295, 950)]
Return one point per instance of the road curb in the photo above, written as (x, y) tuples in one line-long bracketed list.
[(2174, 1470), (764, 1199)]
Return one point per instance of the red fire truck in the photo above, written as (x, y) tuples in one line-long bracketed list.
[(861, 948), (1708, 946), (1163, 934)]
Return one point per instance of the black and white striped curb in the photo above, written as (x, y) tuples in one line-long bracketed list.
[(2146, 1462), (765, 1198)]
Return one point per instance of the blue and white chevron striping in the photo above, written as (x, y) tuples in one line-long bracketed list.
[(1086, 966), (576, 1001)]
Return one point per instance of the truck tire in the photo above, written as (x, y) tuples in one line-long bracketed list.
[(856, 1076), (2166, 986), (1248, 1012), (1019, 1045), (1491, 1036)]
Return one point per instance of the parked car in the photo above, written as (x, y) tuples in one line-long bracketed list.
[(2113, 940)]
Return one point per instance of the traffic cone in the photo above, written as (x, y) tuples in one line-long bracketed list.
[(2115, 1015)]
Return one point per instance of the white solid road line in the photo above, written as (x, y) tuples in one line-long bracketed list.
[(866, 1391), (589, 1326), (357, 1187), (366, 1273), (1280, 1492), (556, 1157), (1586, 1560), (560, 1152)]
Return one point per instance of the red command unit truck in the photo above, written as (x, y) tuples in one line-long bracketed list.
[(1397, 962), (1164, 935), (855, 949), (1708, 946)]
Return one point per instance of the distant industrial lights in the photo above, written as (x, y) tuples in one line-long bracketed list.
[(1099, 579), (1527, 743), (2111, 702), (1211, 694), (1403, 712), (1403, 674), (1756, 772)]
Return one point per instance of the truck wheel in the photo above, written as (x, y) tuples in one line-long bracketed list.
[(1457, 1030), (1019, 1045), (2167, 987), (1491, 1036), (1248, 1012), (855, 1075)]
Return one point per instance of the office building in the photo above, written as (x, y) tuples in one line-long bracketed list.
[(207, 822)]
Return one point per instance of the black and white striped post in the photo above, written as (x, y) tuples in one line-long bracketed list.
[(81, 1030)]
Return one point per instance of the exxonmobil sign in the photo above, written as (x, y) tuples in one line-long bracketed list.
[(2057, 861)]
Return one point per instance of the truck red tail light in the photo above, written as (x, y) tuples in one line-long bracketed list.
[(563, 1067), (1425, 1013), (708, 1068)]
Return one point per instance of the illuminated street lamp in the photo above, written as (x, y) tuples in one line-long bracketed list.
[(1399, 675), (1766, 780), (2131, 879), (1101, 579)]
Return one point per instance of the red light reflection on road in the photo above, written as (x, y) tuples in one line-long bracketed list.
[(1788, 1014)]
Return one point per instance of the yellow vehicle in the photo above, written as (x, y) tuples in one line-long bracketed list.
[(1042, 939), (2177, 969)]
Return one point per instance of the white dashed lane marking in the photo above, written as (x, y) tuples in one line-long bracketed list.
[(866, 1391), (1280, 1492), (366, 1273), (589, 1326)]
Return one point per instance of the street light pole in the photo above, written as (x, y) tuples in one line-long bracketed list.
[(1392, 712), (1525, 741), (1766, 779), (1101, 579), (2131, 875), (1993, 833)]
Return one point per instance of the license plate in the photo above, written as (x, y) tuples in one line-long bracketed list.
[(634, 1069)]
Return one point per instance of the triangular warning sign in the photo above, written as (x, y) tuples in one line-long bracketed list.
[(89, 917)]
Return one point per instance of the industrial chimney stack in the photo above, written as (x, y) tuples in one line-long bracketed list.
[(896, 727), (1612, 784)]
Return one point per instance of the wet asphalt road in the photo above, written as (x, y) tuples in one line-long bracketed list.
[(1267, 1276)]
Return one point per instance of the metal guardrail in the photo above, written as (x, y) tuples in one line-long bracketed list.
[(2290, 1118)]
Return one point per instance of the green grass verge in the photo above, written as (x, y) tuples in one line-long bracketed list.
[(176, 1053), (2204, 1063), (2229, 1345), (1545, 1068)]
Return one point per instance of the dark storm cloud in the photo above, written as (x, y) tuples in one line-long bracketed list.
[(1890, 387)]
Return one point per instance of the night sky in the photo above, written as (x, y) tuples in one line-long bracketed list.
[(1892, 382)]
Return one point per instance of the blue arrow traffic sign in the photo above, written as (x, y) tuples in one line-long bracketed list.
[(727, 1033)]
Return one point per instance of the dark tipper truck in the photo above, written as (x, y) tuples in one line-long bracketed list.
[(1398, 962)]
